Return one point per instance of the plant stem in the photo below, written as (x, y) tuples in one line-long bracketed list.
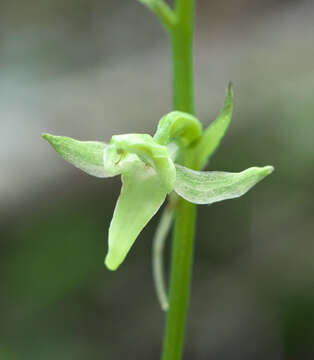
[(182, 56), (180, 279), (185, 213)]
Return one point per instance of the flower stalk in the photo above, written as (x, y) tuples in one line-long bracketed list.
[(181, 38)]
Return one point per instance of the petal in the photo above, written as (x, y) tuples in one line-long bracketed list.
[(178, 126), (150, 152), (207, 187), (141, 196), (85, 155)]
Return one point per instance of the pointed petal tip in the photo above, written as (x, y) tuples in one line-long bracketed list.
[(110, 264), (45, 136), (49, 137), (268, 169), (230, 91)]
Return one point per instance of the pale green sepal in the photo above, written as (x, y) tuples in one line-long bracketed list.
[(207, 187), (141, 196), (85, 155), (151, 153), (178, 126), (212, 136)]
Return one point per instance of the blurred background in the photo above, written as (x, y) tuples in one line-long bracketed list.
[(92, 68)]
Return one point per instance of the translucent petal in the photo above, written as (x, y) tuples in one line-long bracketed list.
[(85, 155), (207, 187), (141, 196)]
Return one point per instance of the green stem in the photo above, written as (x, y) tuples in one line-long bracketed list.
[(182, 56), (180, 279), (185, 213)]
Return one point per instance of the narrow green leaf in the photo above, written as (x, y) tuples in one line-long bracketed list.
[(85, 155), (212, 136), (141, 196), (207, 187)]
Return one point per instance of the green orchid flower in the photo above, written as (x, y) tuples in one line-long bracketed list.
[(151, 168)]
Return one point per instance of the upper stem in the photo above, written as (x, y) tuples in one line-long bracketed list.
[(184, 10), (182, 56), (181, 38)]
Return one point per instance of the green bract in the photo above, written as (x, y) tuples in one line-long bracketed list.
[(215, 132), (149, 172)]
